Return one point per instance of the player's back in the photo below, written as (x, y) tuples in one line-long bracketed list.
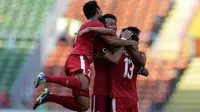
[(121, 76), (84, 44)]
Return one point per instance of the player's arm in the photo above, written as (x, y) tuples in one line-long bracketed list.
[(115, 56), (144, 71), (116, 41), (101, 30), (97, 26), (138, 59)]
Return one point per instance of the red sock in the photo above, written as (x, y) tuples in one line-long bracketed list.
[(65, 81), (66, 101)]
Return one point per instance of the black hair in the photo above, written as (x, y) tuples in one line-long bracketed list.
[(90, 9), (102, 19), (135, 31)]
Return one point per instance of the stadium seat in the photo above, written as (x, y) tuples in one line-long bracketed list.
[(20, 24), (10, 65), (186, 96)]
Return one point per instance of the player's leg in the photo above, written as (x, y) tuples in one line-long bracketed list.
[(100, 103), (127, 104), (78, 66), (78, 103), (130, 104), (66, 81), (83, 79), (84, 102), (117, 105), (76, 69)]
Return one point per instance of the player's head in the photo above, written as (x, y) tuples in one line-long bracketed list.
[(91, 9), (109, 21), (135, 31)]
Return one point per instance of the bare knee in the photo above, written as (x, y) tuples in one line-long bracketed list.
[(84, 101), (84, 80), (85, 107)]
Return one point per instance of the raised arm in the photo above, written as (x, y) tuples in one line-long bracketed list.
[(101, 30), (114, 40), (115, 56), (139, 59)]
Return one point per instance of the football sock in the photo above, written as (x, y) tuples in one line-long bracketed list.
[(65, 81), (66, 101)]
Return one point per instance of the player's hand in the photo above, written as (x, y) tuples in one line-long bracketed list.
[(86, 30), (126, 34), (135, 45)]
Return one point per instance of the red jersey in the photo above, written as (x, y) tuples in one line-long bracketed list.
[(84, 44), (123, 78), (134, 79), (102, 78)]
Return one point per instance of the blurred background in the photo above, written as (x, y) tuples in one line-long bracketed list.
[(37, 35)]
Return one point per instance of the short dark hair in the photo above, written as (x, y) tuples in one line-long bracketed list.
[(102, 19), (90, 9), (135, 31)]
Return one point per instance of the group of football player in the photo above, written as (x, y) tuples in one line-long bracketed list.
[(117, 64)]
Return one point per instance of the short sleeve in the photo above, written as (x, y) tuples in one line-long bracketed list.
[(102, 49)]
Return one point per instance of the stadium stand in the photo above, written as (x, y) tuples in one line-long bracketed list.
[(174, 48), (186, 96), (131, 12), (20, 23)]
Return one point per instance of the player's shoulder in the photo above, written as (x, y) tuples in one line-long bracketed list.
[(91, 23), (94, 22)]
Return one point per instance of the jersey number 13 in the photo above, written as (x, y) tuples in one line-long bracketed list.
[(128, 71)]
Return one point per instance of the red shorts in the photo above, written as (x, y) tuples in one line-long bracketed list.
[(77, 64), (100, 103), (125, 105)]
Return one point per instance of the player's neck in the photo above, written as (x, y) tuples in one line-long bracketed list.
[(93, 18)]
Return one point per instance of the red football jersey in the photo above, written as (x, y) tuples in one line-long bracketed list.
[(102, 78), (84, 44), (123, 78), (134, 79)]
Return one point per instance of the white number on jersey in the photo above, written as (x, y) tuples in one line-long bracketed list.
[(128, 72)]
